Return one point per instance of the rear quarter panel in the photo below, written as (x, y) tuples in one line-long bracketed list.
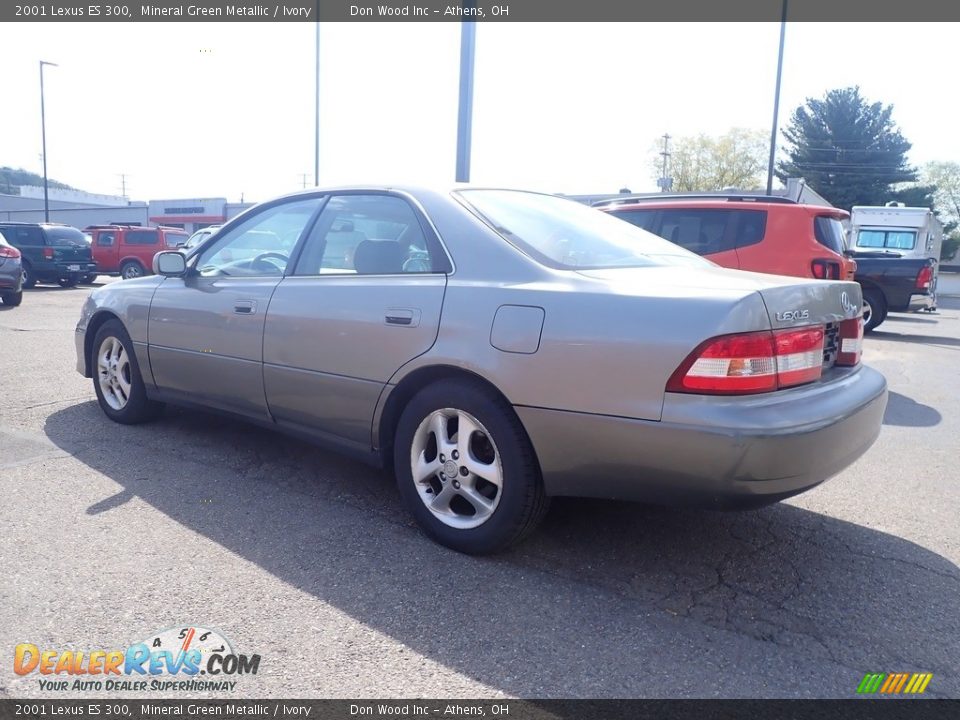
[(599, 351)]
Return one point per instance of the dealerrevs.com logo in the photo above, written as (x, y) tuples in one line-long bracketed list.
[(178, 659)]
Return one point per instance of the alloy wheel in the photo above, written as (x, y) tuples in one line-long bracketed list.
[(456, 468), (113, 373)]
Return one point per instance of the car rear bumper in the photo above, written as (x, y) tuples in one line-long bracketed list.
[(719, 452), (921, 302)]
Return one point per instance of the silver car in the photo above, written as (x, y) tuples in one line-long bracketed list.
[(496, 348), (11, 274)]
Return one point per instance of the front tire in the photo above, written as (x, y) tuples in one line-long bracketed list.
[(12, 299), (116, 377), (466, 469)]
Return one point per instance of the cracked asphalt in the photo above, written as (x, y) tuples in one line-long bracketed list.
[(112, 533)]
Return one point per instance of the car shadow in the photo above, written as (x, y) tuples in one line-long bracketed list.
[(907, 412), (911, 319), (605, 600), (948, 342)]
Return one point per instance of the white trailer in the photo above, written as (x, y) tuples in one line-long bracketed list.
[(897, 230)]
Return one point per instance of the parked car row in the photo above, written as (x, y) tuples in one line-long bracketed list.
[(63, 255), (892, 255)]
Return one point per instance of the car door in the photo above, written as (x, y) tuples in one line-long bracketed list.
[(205, 330), (105, 249), (363, 299)]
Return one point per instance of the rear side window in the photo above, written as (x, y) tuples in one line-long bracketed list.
[(641, 218), (176, 239), (706, 231), (141, 237), (829, 233), (23, 236)]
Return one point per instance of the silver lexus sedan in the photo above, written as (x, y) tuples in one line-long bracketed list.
[(495, 348)]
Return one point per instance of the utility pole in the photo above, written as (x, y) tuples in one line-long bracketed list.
[(304, 176), (123, 185), (665, 182), (316, 101), (776, 101)]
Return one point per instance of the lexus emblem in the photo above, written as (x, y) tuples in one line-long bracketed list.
[(849, 309)]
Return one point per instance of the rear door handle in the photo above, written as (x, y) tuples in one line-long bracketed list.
[(405, 317), (245, 307)]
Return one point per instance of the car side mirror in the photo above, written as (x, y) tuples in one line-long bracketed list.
[(169, 263)]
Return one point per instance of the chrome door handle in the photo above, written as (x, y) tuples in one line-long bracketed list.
[(404, 317)]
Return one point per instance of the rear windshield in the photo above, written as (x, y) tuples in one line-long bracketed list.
[(176, 239), (564, 234), (65, 236), (829, 233), (891, 239)]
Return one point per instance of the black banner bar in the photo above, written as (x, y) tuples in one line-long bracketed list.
[(479, 10), (241, 709)]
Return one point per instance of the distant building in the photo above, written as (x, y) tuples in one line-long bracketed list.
[(80, 209)]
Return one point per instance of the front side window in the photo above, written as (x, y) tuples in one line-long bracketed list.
[(564, 234), (141, 237), (368, 235), (887, 239), (261, 245), (106, 239)]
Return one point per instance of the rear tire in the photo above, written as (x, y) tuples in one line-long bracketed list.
[(87, 279), (874, 309), (29, 279), (12, 299), (117, 381), (69, 282), (131, 269), (457, 500)]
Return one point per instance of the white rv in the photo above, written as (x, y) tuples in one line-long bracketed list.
[(899, 231)]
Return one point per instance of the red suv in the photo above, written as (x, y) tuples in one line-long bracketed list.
[(746, 232), (128, 250)]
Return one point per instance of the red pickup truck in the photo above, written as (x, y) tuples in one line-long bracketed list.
[(128, 250)]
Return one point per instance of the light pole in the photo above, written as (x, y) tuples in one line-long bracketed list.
[(776, 101), (468, 43), (43, 135), (316, 106)]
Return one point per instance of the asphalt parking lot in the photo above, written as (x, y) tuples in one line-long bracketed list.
[(112, 533)]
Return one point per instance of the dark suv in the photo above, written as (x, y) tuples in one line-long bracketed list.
[(50, 252)]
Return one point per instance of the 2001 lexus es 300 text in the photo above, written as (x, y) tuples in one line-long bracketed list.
[(496, 348)]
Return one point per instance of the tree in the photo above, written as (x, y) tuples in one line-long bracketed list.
[(701, 163), (848, 150), (945, 178)]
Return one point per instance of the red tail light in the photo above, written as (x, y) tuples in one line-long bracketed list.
[(751, 362), (825, 270), (925, 278), (9, 252), (48, 253), (851, 341)]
